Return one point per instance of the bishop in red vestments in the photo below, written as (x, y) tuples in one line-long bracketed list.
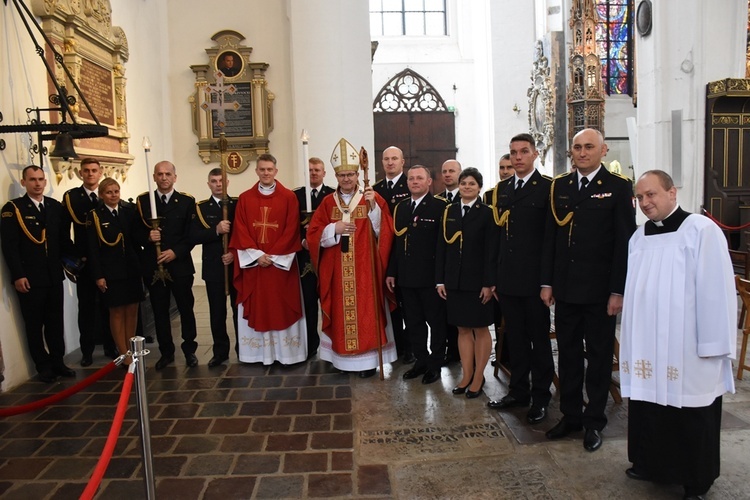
[(350, 237), (265, 239)]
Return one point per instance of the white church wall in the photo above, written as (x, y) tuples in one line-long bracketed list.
[(23, 79), (459, 60), (688, 47)]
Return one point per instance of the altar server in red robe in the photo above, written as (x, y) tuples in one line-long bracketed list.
[(265, 238)]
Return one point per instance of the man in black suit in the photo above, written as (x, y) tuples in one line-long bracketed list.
[(393, 189), (174, 210), (418, 224), (450, 171), (591, 219), (520, 212), (93, 314), (207, 228), (309, 280), (33, 241), (505, 171)]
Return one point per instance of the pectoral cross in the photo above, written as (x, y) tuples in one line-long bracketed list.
[(264, 224), (220, 104)]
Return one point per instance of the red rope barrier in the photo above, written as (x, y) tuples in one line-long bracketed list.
[(724, 226), (17, 410), (114, 433)]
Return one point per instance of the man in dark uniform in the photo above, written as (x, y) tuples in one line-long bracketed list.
[(520, 211), (33, 241), (393, 189), (450, 171), (318, 191), (208, 228), (418, 224), (505, 171), (174, 210), (591, 218), (93, 315)]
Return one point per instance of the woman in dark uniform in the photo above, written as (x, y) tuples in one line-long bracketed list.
[(114, 262), (465, 273)]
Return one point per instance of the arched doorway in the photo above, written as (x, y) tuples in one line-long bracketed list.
[(409, 113)]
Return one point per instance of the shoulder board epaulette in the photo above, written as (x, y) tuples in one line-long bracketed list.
[(186, 194), (547, 177), (203, 201), (379, 182), (298, 188), (564, 174), (440, 197), (620, 176), (145, 193), (405, 200)]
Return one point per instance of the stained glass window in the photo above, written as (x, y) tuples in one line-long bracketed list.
[(614, 42), (407, 17)]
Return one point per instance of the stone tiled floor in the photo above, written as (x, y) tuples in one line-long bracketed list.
[(307, 431)]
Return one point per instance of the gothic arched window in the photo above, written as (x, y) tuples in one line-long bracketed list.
[(615, 46)]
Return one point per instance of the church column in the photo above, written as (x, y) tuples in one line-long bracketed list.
[(688, 47), (331, 72)]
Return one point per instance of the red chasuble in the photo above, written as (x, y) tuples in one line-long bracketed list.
[(270, 296), (352, 285)]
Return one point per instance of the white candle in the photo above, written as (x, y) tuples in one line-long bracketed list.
[(306, 170), (149, 174)]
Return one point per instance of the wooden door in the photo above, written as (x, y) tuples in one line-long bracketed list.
[(411, 115)]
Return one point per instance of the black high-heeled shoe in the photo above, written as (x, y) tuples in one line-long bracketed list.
[(460, 390), (473, 394)]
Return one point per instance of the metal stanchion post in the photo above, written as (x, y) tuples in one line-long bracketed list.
[(139, 353)]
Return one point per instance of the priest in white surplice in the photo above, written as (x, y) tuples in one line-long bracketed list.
[(265, 239), (679, 333)]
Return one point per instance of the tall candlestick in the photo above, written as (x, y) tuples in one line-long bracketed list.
[(306, 169), (149, 174)]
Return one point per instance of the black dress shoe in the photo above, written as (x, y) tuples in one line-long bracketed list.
[(414, 372), (164, 361), (216, 361), (86, 360), (562, 429), (47, 376), (367, 373), (592, 439), (63, 371), (507, 402), (408, 358), (461, 390), (431, 376), (632, 473), (475, 394), (536, 414), (191, 360)]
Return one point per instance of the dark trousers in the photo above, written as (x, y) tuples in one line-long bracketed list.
[(181, 288), (93, 318), (425, 307), (503, 349), (527, 333), (42, 311), (217, 308), (310, 297), (574, 324), (398, 316)]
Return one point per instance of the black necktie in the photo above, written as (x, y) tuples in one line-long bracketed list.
[(164, 199), (390, 185), (41, 209), (519, 185), (450, 197), (314, 192), (466, 210), (413, 206), (584, 183), (94, 199), (114, 213)]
